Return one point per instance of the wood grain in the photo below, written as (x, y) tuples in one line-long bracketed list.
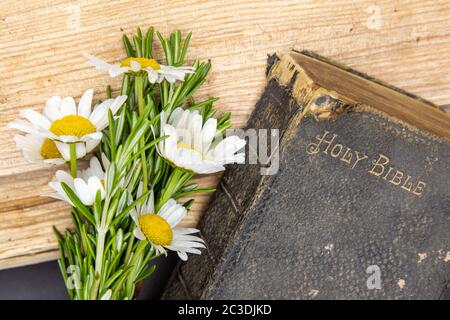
[(404, 43)]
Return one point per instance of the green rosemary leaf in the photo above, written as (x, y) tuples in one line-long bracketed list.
[(176, 45), (188, 193), (185, 48), (128, 47), (166, 47), (138, 201), (97, 207), (108, 92), (138, 45), (188, 204), (139, 32), (112, 134), (149, 42), (147, 272)]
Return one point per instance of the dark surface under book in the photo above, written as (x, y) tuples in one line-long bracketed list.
[(359, 196)]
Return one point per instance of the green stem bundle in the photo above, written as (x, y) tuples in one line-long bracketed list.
[(73, 159)]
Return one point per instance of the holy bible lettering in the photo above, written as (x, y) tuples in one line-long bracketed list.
[(379, 166)]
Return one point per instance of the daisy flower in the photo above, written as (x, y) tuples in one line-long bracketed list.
[(62, 123), (192, 145), (160, 230), (85, 186), (156, 72), (36, 148)]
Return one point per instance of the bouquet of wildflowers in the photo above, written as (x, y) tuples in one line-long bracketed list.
[(143, 147)]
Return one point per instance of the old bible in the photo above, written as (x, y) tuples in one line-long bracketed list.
[(357, 208)]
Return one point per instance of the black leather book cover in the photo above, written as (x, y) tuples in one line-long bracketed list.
[(359, 206)]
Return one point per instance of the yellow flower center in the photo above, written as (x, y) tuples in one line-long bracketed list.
[(156, 229), (144, 62), (49, 150), (72, 125)]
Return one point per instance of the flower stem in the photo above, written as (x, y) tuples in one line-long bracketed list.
[(73, 159), (100, 247), (141, 102), (136, 264), (98, 263)]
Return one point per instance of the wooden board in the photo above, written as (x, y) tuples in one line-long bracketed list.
[(404, 43)]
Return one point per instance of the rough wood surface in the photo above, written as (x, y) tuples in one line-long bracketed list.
[(404, 43)]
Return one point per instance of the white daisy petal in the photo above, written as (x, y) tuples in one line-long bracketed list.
[(207, 167), (94, 185), (63, 176), (56, 161), (169, 145), (138, 234), (117, 103), (96, 168), (105, 161), (83, 192), (80, 150), (84, 106), (227, 147), (181, 231), (184, 249), (183, 256), (176, 216), (100, 113), (92, 136), (168, 212), (30, 142), (60, 193), (134, 216), (175, 117), (52, 112), (208, 132), (67, 139), (22, 125), (150, 204), (152, 75), (195, 127), (91, 145), (36, 118), (54, 101), (68, 106), (96, 62), (63, 149), (171, 203), (116, 70), (185, 237)]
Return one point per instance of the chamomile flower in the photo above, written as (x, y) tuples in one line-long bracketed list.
[(85, 186), (160, 228), (62, 123), (192, 145), (156, 72), (36, 148)]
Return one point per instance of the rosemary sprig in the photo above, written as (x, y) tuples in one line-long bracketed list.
[(100, 258)]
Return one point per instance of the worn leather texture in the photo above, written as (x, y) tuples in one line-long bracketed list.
[(327, 226)]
